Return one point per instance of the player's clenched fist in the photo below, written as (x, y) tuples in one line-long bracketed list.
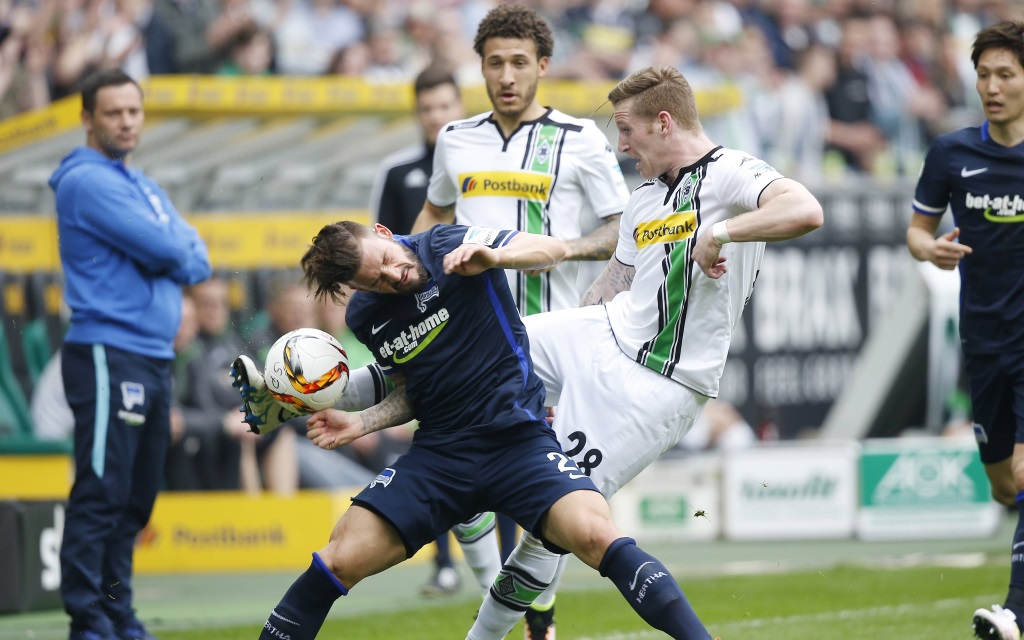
[(470, 259)]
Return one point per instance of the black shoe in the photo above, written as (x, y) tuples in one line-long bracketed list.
[(540, 625)]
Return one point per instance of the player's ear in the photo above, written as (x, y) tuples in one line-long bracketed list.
[(382, 231)]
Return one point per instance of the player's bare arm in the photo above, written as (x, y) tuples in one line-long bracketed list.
[(616, 277), (944, 251), (523, 251), (786, 210), (331, 428), (432, 215), (599, 244)]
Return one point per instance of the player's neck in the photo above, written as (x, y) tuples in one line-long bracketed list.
[(688, 152), (508, 125), (1008, 135)]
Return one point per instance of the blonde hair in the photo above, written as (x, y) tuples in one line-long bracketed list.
[(657, 89)]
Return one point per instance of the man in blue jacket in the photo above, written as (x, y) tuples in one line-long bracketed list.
[(126, 253)]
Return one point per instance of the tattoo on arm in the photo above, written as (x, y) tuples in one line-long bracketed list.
[(616, 277), (394, 410), (599, 244)]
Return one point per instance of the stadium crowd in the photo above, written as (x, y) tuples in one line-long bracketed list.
[(828, 85)]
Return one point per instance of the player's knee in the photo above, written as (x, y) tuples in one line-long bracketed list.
[(1005, 490)]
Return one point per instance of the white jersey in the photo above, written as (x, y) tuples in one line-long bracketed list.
[(556, 176), (674, 319)]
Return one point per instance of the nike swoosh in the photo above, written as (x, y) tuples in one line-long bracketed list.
[(374, 330), (964, 173), (632, 585)]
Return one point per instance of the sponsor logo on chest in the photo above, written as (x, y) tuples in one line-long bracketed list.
[(407, 344), (505, 184), (674, 228)]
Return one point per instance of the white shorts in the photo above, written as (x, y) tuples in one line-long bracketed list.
[(613, 416)]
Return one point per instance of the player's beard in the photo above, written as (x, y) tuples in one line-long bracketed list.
[(528, 95), (422, 275)]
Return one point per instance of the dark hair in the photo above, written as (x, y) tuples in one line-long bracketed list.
[(515, 21), (657, 89), (434, 76), (103, 78), (1007, 34), (334, 258)]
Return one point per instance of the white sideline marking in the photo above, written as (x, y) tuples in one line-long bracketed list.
[(828, 616)]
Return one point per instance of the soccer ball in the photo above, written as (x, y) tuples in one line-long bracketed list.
[(306, 370)]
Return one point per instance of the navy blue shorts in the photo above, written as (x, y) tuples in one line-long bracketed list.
[(519, 472), (997, 402)]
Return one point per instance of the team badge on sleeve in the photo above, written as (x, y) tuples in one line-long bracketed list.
[(480, 235), (383, 478)]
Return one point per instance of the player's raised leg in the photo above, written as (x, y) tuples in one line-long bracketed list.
[(362, 544)]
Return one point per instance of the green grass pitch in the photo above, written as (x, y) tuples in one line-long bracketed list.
[(842, 603)]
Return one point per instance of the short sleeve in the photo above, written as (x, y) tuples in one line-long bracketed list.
[(441, 191)]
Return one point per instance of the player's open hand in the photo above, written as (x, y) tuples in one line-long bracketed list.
[(470, 259), (947, 252), (706, 253), (331, 428)]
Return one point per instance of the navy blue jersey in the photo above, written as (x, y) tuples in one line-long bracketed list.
[(460, 343), (983, 183)]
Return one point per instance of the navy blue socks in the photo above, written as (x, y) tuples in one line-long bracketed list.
[(651, 590), (1015, 597), (305, 606)]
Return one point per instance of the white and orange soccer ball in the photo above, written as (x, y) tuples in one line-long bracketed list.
[(306, 370)]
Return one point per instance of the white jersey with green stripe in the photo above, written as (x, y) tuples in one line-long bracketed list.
[(674, 319), (557, 175)]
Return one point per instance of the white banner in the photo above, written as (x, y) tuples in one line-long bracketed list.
[(790, 491)]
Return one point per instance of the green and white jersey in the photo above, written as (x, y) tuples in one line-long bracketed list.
[(674, 319), (556, 175)]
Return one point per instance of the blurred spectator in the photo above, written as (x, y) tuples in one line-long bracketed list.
[(852, 132), (797, 143), (788, 29), (451, 48), (99, 34), (217, 451), (185, 348), (387, 55), (25, 57), (352, 61), (900, 104), (251, 53), (310, 33), (194, 36)]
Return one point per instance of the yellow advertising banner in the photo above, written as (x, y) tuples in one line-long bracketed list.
[(237, 241), (215, 531), (329, 96), (36, 477)]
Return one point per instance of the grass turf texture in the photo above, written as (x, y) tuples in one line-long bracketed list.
[(846, 602)]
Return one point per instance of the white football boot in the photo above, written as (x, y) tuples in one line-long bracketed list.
[(996, 624), (262, 412)]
